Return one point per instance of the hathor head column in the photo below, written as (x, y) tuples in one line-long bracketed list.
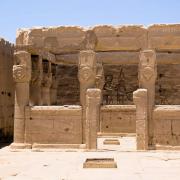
[(87, 73), (147, 79), (87, 77), (22, 77)]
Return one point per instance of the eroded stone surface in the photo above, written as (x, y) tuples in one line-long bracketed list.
[(6, 91)]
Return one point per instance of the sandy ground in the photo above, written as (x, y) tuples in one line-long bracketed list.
[(68, 165)]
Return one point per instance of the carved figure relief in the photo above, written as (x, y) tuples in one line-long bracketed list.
[(108, 90), (120, 84), (120, 88)]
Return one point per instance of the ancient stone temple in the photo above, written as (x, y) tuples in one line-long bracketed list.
[(73, 85), (6, 91)]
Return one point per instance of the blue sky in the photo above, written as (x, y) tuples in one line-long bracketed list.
[(16, 14)]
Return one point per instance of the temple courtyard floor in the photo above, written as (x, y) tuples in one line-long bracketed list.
[(68, 164)]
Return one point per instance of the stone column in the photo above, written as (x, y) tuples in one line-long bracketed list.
[(54, 86), (22, 77), (93, 98), (87, 77), (147, 79), (141, 102), (46, 83), (36, 81)]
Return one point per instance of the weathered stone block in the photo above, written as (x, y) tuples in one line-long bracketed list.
[(118, 119), (100, 163), (140, 98), (164, 37), (120, 38), (55, 124)]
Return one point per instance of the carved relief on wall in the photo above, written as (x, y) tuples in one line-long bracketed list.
[(120, 82), (168, 84)]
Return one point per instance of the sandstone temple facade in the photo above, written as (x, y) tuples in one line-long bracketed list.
[(73, 85)]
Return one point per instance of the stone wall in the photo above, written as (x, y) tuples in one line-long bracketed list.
[(53, 125), (6, 91), (167, 125), (118, 119), (168, 84), (68, 85), (64, 39)]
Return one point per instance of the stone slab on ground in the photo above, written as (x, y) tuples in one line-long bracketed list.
[(100, 163), (111, 142)]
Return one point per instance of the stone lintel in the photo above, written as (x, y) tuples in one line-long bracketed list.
[(37, 51), (120, 58)]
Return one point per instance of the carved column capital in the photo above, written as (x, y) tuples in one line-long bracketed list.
[(147, 67), (21, 73), (22, 67), (87, 66)]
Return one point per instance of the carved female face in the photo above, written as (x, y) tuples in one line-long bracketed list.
[(18, 72), (147, 73), (85, 73)]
